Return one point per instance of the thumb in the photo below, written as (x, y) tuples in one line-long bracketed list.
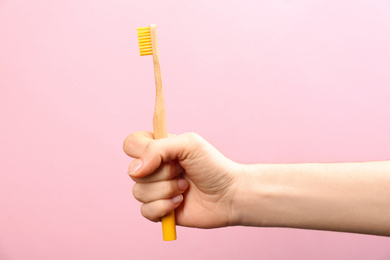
[(164, 150)]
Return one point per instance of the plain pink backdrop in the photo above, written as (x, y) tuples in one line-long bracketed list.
[(263, 81)]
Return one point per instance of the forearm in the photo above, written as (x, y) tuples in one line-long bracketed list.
[(350, 197)]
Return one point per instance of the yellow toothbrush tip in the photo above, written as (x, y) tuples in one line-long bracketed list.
[(144, 41)]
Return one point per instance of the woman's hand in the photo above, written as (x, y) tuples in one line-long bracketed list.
[(200, 184)]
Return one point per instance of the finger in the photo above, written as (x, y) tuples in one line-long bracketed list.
[(155, 210), (167, 149), (174, 170), (135, 144), (148, 192)]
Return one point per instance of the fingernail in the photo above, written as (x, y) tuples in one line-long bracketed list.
[(177, 199), (182, 184), (134, 166)]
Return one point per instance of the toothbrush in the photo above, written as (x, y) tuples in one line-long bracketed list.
[(147, 40)]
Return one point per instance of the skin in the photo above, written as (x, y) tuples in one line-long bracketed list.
[(207, 190)]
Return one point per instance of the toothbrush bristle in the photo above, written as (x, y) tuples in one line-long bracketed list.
[(144, 41)]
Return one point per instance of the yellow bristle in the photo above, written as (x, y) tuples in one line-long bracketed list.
[(144, 41)]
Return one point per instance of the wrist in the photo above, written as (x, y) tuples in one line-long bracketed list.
[(263, 196), (247, 207)]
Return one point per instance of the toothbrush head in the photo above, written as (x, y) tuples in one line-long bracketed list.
[(144, 41)]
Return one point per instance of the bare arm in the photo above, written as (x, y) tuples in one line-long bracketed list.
[(349, 197)]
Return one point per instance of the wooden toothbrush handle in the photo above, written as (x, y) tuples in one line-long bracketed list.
[(160, 129)]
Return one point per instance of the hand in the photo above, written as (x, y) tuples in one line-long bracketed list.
[(200, 184)]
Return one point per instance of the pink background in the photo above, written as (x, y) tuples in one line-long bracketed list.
[(263, 81)]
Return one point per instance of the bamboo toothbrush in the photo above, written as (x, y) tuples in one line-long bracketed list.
[(147, 40)]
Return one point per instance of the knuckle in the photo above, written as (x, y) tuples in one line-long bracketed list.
[(153, 211), (145, 211), (193, 140), (150, 147), (167, 171), (193, 137), (168, 189), (137, 192), (127, 144)]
